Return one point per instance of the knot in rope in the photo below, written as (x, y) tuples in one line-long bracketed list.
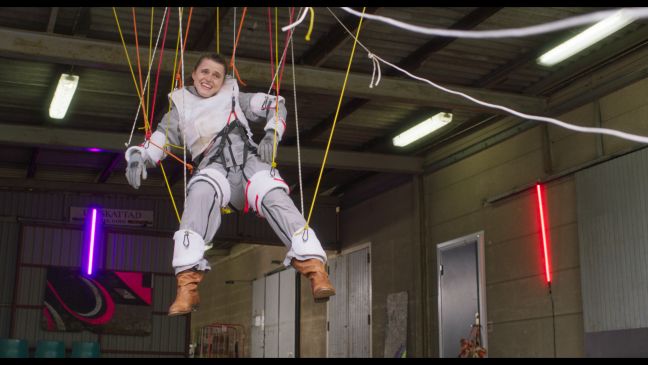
[(376, 66)]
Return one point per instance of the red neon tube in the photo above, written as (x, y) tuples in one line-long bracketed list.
[(543, 228)]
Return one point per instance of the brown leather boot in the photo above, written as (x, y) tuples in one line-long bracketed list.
[(187, 298), (314, 270)]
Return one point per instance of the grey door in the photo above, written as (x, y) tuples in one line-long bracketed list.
[(275, 315), (460, 282), (349, 310)]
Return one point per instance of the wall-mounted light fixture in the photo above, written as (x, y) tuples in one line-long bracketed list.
[(422, 129), (544, 222), (92, 238), (63, 96)]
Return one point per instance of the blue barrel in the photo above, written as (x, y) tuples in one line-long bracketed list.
[(85, 349), (13, 348), (50, 349)]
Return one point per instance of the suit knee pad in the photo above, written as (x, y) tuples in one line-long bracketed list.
[(216, 179), (258, 186)]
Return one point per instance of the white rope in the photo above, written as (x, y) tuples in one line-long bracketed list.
[(299, 167), (130, 138), (233, 42), (632, 13), (300, 19), (612, 132), (283, 55), (184, 141), (376, 66)]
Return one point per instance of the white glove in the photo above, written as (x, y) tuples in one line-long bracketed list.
[(135, 169), (266, 147)]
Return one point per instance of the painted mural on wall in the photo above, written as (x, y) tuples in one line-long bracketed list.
[(109, 302)]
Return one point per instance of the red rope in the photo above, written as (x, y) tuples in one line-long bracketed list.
[(283, 63), (238, 36), (270, 36), (157, 76), (139, 68)]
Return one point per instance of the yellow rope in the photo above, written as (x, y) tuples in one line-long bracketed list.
[(130, 66), (166, 181), (276, 116), (217, 30), (310, 27), (328, 145), (148, 88)]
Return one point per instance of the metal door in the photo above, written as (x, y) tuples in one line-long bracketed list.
[(461, 291)]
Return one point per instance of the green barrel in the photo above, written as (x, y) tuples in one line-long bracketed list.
[(13, 348), (85, 349), (50, 349)]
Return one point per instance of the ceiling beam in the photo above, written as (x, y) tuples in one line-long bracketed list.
[(44, 47), (417, 58), (208, 31), (114, 142), (105, 174), (52, 19), (31, 170), (317, 54)]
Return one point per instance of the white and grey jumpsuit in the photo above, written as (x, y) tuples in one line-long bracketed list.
[(228, 172)]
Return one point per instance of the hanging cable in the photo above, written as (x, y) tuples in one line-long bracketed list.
[(130, 66), (184, 142), (238, 35), (299, 167), (632, 13), (328, 145), (150, 60), (612, 132)]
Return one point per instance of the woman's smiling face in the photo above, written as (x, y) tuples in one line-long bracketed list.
[(208, 77)]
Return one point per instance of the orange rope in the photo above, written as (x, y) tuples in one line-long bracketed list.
[(235, 45), (139, 67), (188, 166), (178, 78)]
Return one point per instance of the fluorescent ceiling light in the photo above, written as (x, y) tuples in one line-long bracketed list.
[(586, 38), (63, 95), (422, 129)]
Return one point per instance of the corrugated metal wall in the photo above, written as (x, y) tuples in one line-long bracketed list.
[(8, 239), (50, 240), (49, 246), (38, 222), (612, 208)]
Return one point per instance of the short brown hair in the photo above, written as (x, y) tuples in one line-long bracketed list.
[(214, 57)]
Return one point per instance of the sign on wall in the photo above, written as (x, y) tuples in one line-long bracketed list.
[(117, 217)]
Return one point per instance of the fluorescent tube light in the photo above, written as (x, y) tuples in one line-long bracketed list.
[(63, 95), (422, 129), (586, 38)]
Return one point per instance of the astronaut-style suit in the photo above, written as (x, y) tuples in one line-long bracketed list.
[(229, 171)]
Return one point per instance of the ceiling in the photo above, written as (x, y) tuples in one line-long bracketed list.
[(38, 44)]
